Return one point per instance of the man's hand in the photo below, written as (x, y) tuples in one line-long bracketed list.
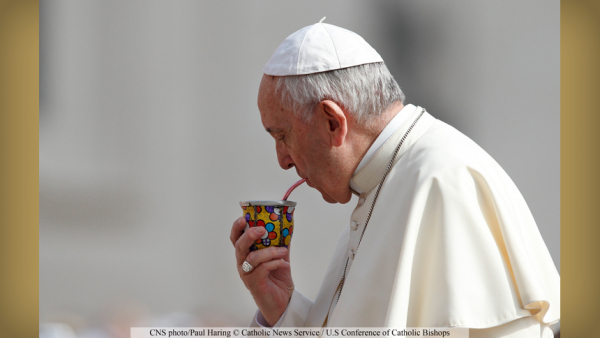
[(270, 282)]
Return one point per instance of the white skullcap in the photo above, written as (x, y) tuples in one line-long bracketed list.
[(319, 48)]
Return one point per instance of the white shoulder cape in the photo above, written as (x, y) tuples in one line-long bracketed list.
[(466, 248)]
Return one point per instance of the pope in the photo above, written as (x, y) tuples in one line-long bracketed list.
[(441, 236)]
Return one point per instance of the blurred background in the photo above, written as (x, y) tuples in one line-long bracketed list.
[(150, 136)]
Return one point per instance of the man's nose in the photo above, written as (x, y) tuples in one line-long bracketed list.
[(283, 157)]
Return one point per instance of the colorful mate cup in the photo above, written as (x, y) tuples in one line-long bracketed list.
[(275, 216)]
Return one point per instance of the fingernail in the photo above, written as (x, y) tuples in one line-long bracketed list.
[(282, 250), (260, 230)]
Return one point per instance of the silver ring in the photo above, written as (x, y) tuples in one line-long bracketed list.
[(247, 267)]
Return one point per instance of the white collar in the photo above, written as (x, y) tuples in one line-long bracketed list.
[(387, 132)]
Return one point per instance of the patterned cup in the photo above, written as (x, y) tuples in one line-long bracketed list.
[(275, 216)]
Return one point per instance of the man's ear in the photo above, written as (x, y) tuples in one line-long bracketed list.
[(337, 123)]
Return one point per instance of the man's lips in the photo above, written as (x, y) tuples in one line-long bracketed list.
[(307, 180), (302, 176)]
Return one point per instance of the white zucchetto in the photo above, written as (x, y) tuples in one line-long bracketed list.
[(318, 48)]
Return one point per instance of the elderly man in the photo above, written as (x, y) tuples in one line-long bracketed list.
[(441, 237)]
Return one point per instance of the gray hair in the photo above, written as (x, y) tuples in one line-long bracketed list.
[(365, 91)]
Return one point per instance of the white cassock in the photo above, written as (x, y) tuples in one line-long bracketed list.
[(450, 243)]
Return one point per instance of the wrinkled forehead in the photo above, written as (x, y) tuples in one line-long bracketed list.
[(272, 113), (266, 91), (269, 104)]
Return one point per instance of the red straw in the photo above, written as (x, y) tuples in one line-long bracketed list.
[(289, 191)]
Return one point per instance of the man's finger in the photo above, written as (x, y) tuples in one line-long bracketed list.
[(242, 245), (255, 258), (237, 229), (263, 270), (286, 257)]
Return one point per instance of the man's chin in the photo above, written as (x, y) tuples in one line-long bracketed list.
[(342, 199), (328, 198)]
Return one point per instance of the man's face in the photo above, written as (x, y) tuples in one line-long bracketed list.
[(299, 144)]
